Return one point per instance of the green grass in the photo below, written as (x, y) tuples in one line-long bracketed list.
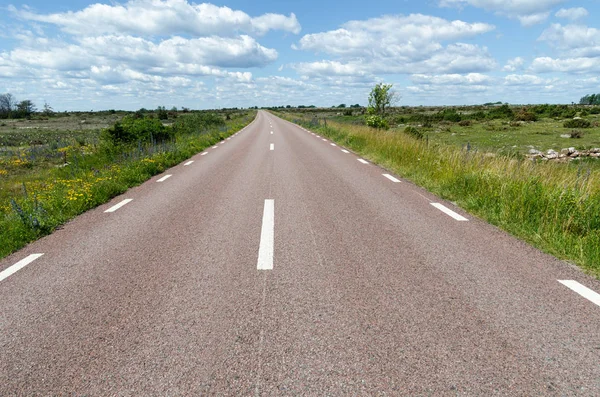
[(37, 196), (553, 206)]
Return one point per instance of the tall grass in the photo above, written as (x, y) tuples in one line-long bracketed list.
[(48, 198), (555, 207)]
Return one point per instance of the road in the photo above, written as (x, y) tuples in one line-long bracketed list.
[(278, 263)]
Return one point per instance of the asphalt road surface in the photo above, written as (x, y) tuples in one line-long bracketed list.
[(277, 263)]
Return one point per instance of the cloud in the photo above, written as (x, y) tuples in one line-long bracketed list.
[(573, 40), (162, 17), (528, 12), (565, 65), (513, 64), (451, 79), (396, 44), (572, 13)]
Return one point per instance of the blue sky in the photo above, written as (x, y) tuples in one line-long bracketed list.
[(82, 55)]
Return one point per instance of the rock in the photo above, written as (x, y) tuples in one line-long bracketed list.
[(534, 151), (595, 150), (596, 155), (564, 151), (576, 118), (574, 154), (565, 135), (571, 150)]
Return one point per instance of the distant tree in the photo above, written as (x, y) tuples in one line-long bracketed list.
[(380, 98), (355, 106), (49, 112), (25, 109), (7, 105), (592, 99), (162, 113), (341, 106)]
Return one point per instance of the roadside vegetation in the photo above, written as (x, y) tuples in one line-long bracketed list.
[(478, 158), (53, 168)]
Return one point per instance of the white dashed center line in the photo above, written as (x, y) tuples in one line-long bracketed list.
[(582, 290), (267, 237), (18, 266), (272, 147), (189, 162), (164, 178), (271, 132), (449, 212), (363, 161), (391, 178), (117, 206)]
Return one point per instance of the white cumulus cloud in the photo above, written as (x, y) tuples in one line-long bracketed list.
[(528, 12), (572, 13), (162, 17)]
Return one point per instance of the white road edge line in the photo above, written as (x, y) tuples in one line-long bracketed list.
[(363, 161), (215, 147), (267, 237), (325, 140), (272, 147), (582, 290), (449, 212), (18, 266), (204, 154), (391, 178), (164, 178), (117, 206), (333, 144), (345, 151), (188, 163)]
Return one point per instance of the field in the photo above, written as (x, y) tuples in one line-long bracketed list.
[(484, 168), (52, 169)]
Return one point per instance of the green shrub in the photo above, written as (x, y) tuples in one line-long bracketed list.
[(133, 129), (577, 134), (465, 123), (377, 122), (577, 123), (524, 115), (501, 112)]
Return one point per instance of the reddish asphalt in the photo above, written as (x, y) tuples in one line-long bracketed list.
[(373, 290)]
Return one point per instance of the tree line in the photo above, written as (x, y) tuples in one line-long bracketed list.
[(11, 108), (591, 99)]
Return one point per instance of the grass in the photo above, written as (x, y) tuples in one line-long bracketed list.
[(555, 207), (37, 195)]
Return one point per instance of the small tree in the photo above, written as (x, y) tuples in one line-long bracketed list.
[(380, 98), (25, 108), (48, 111)]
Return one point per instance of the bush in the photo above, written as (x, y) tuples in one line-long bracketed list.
[(132, 129), (524, 115), (465, 123), (501, 112), (577, 134), (410, 130), (377, 122), (197, 123), (577, 123)]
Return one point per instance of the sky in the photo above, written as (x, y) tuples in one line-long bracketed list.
[(85, 55)]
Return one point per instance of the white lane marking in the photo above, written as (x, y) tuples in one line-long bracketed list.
[(267, 237), (363, 161), (333, 144), (215, 147), (189, 162), (391, 178), (448, 211), (345, 151), (164, 178), (318, 136), (18, 266), (271, 132), (323, 139), (229, 138), (117, 206), (582, 290), (272, 147), (204, 154)]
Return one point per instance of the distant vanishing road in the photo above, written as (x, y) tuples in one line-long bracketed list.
[(277, 263)]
